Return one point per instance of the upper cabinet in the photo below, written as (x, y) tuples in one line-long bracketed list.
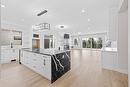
[(113, 24)]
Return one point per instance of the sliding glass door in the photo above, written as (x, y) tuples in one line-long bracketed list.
[(86, 42), (76, 42), (95, 43)]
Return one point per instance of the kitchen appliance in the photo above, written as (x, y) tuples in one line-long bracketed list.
[(36, 43), (66, 41), (35, 35)]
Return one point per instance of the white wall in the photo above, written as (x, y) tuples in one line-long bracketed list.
[(26, 32), (123, 41), (0, 46), (129, 41)]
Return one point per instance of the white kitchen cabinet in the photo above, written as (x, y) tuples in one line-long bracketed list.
[(45, 66), (26, 58), (113, 24), (109, 59), (37, 62), (9, 54)]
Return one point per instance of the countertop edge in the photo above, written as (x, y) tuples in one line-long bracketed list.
[(45, 53)]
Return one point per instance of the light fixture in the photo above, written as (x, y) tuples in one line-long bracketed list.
[(3, 6), (41, 13), (62, 26), (83, 11), (41, 26), (89, 20)]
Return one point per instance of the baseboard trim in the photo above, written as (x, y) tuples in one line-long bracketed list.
[(118, 70), (122, 71)]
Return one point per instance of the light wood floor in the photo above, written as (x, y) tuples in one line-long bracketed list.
[(86, 72)]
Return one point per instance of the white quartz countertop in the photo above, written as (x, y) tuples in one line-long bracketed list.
[(46, 51), (108, 49), (8, 47)]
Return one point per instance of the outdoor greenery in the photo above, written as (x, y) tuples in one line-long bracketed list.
[(76, 42), (92, 43)]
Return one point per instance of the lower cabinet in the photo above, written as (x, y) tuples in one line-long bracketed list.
[(9, 54), (45, 67), (110, 60), (37, 62)]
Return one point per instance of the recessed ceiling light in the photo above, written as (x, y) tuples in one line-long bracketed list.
[(83, 11), (62, 26), (3, 6), (22, 19), (88, 20)]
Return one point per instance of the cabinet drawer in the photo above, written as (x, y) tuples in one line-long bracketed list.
[(41, 70)]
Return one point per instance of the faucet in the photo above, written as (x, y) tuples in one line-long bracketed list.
[(11, 45)]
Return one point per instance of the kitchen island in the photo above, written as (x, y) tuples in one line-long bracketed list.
[(49, 63)]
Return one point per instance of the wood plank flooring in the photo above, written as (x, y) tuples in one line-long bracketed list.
[(86, 71)]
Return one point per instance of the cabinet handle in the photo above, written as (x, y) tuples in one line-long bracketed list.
[(44, 62)]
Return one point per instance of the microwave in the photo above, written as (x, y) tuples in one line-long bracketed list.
[(36, 36)]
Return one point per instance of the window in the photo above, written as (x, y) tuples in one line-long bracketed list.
[(89, 42), (76, 42), (95, 43), (99, 43), (86, 43)]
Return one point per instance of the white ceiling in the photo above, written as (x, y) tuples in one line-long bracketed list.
[(60, 12)]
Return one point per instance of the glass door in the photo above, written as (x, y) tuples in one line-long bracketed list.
[(86, 42), (95, 43), (76, 43), (48, 41)]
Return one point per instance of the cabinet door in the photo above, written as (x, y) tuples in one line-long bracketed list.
[(115, 60), (6, 56), (45, 66), (35, 60), (15, 54), (26, 58), (109, 60)]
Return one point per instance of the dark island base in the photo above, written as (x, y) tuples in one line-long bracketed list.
[(63, 65)]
